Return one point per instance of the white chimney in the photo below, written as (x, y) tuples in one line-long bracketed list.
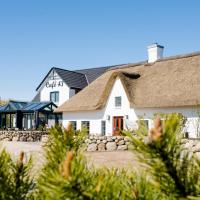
[(155, 52)]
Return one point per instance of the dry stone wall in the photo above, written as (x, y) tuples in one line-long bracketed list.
[(93, 142), (113, 143), (193, 145), (107, 143), (22, 136)]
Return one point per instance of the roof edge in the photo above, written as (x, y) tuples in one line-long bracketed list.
[(55, 68), (180, 56), (108, 66), (105, 94)]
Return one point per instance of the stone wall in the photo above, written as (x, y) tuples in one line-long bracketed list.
[(113, 143), (106, 143), (193, 145), (93, 143), (22, 136)]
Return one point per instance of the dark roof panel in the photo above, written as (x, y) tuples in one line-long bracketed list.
[(72, 79), (76, 79), (2, 108), (13, 106), (17, 105), (34, 106), (93, 73)]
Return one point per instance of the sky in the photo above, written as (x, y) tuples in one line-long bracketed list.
[(36, 35)]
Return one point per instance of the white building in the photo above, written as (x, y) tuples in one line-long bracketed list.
[(123, 94), (59, 84)]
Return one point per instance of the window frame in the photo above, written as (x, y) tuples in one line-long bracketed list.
[(55, 92), (103, 127), (118, 104), (86, 127), (74, 127), (54, 76), (147, 125)]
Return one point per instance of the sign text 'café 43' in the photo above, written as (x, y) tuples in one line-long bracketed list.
[(54, 84)]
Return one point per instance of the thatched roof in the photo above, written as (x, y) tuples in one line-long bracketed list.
[(170, 82)]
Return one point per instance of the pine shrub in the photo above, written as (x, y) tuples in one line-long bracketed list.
[(67, 175), (173, 167), (15, 179)]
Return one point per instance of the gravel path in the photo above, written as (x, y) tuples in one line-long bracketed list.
[(117, 159)]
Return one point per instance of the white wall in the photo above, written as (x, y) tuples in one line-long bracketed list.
[(71, 92), (191, 113), (111, 110), (64, 91), (95, 117)]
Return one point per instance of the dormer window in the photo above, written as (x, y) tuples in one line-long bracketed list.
[(118, 102)]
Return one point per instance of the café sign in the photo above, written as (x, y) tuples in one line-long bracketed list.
[(54, 84)]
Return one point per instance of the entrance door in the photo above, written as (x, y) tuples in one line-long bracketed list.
[(118, 125)]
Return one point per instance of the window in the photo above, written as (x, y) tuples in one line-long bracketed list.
[(186, 135), (118, 101), (54, 97), (53, 76), (86, 125), (74, 127), (144, 123), (58, 118), (28, 121), (103, 127)]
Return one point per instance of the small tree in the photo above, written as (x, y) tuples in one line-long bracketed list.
[(174, 168), (66, 174), (15, 180)]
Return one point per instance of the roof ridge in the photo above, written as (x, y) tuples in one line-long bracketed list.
[(108, 66), (17, 101), (67, 70), (39, 102), (179, 56), (129, 65)]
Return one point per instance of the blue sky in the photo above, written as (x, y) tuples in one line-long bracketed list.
[(36, 35)]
